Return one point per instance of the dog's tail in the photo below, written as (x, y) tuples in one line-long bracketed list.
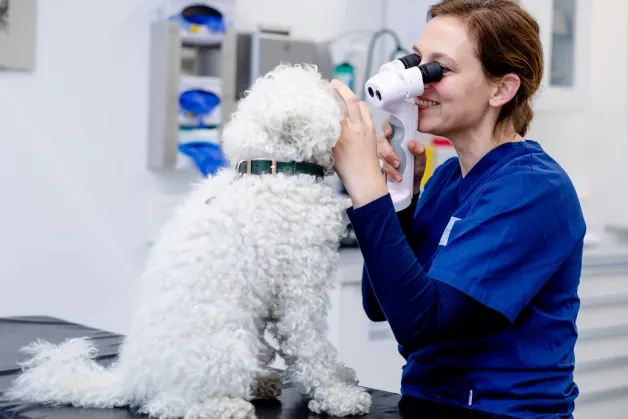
[(66, 374)]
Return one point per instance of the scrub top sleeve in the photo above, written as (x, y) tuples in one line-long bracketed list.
[(406, 217), (400, 285), (369, 301), (515, 236), (370, 305)]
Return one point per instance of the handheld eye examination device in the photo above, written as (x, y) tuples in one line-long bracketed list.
[(394, 89)]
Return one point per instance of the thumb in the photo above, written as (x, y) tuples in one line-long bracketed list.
[(416, 148)]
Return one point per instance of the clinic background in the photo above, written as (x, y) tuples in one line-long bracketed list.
[(79, 208)]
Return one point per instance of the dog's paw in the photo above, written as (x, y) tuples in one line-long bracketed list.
[(341, 401), (347, 375), (268, 385), (236, 409), (223, 408), (220, 407)]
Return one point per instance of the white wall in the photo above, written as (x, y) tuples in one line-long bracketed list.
[(75, 193), (592, 144), (320, 20), (78, 205), (607, 137)]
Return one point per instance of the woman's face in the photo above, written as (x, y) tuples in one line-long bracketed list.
[(460, 100)]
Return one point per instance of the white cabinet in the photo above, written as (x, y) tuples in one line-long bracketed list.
[(602, 348), (565, 28), (367, 347)]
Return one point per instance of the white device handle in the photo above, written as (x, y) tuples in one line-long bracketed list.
[(393, 90), (404, 120)]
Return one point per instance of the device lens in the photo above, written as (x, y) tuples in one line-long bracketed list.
[(410, 60), (432, 72)]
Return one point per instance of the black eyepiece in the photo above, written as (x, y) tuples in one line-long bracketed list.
[(432, 72), (410, 60)]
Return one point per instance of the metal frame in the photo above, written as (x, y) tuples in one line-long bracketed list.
[(163, 126)]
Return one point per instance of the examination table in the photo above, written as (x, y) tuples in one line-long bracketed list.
[(16, 332)]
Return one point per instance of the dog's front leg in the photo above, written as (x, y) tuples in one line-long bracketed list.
[(311, 359)]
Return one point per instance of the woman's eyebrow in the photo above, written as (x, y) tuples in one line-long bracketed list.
[(435, 56)]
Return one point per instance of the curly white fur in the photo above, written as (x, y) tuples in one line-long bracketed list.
[(242, 255)]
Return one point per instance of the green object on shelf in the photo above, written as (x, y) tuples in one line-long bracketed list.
[(345, 73)]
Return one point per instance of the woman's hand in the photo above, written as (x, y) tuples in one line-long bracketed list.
[(355, 153), (391, 161)]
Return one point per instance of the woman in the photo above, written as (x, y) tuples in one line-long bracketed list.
[(478, 279)]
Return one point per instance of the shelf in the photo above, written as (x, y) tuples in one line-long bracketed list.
[(210, 40), (167, 126), (618, 229)]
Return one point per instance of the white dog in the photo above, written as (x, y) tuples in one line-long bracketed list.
[(245, 253)]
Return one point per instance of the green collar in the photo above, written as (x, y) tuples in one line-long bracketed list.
[(268, 166)]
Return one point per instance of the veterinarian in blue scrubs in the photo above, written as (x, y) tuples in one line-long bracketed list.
[(478, 279)]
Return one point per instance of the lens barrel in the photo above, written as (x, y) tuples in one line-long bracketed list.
[(410, 60), (432, 72)]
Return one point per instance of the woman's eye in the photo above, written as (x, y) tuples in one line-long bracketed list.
[(445, 68)]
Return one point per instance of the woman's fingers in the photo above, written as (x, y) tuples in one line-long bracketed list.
[(420, 158), (386, 153), (391, 173), (386, 128), (416, 148), (390, 162), (350, 99), (365, 114)]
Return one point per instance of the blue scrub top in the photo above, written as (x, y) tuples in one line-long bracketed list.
[(510, 235)]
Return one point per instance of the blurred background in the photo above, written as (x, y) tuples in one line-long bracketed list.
[(109, 111)]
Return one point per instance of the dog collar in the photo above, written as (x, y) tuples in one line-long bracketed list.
[(267, 166)]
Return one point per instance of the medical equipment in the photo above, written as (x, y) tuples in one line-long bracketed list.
[(207, 156), (248, 55), (200, 150), (199, 101), (201, 22), (394, 89)]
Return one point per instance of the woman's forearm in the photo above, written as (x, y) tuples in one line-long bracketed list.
[(369, 301)]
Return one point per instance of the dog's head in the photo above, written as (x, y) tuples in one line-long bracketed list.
[(290, 114)]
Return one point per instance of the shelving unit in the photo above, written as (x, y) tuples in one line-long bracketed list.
[(186, 54)]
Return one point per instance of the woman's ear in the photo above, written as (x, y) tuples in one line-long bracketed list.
[(505, 89)]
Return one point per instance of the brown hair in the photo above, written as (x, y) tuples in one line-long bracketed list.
[(507, 41)]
